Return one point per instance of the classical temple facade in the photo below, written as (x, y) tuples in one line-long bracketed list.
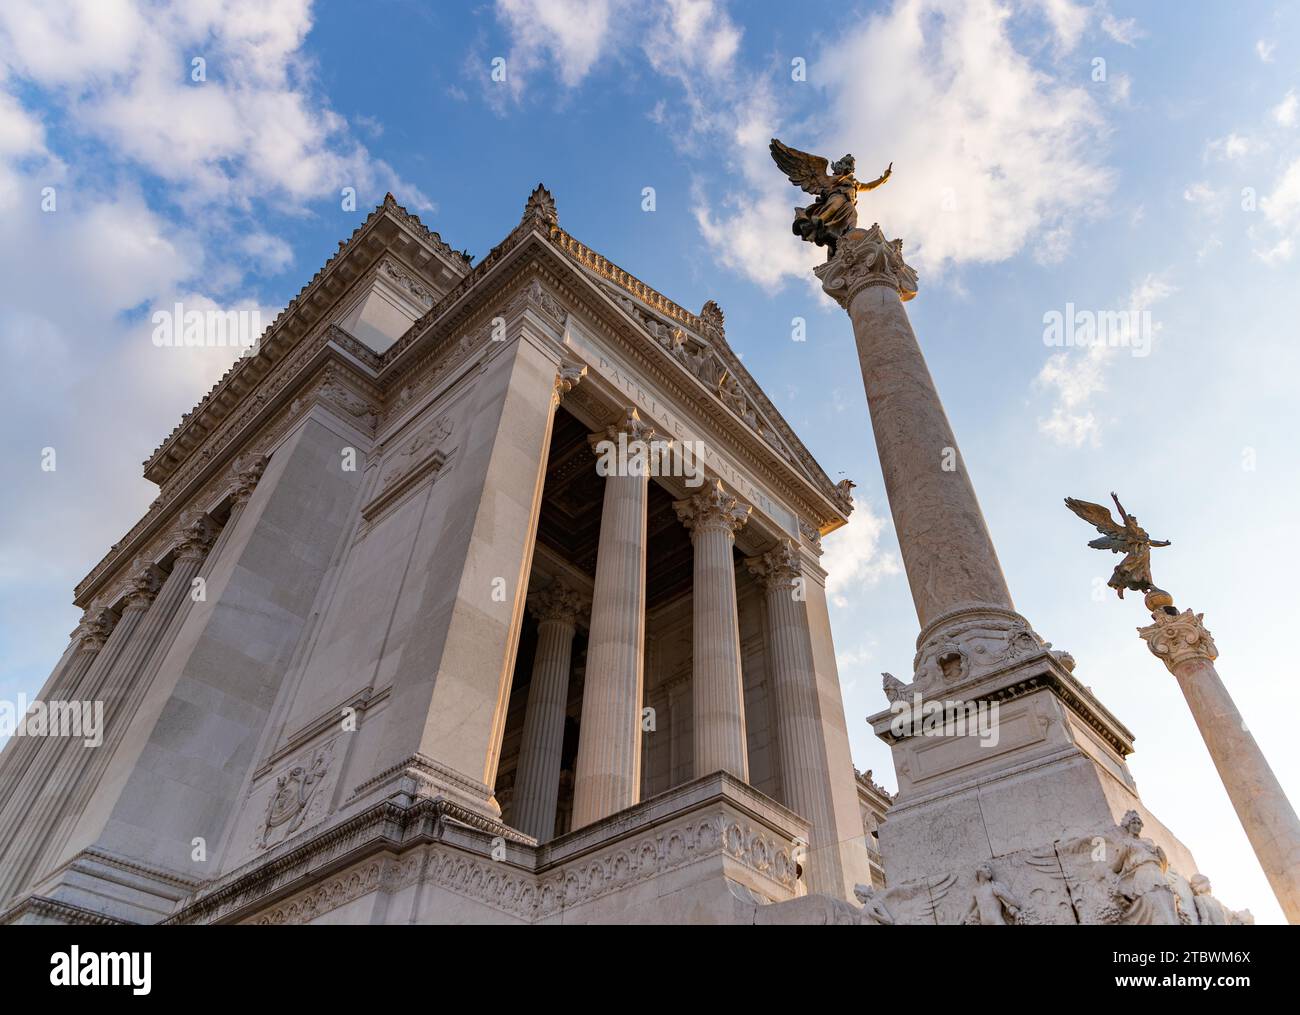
[(403, 639)]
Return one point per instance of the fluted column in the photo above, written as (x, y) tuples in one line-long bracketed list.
[(90, 636), (125, 687), (537, 779), (946, 549), (36, 804), (718, 694), (608, 771), (799, 733), (1182, 643)]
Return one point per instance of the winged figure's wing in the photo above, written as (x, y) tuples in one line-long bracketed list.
[(808, 172), (1097, 515), (1112, 543)]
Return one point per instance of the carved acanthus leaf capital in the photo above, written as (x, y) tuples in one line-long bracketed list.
[(778, 567), (248, 473), (195, 539), (142, 587), (713, 508), (865, 258), (558, 602), (1177, 637), (631, 426), (94, 629), (567, 377)]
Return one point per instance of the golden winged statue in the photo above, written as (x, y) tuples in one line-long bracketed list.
[(1130, 539), (835, 211)]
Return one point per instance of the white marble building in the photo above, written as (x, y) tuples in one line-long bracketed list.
[(392, 646)]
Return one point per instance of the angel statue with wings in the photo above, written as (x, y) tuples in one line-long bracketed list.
[(1130, 539), (835, 211)]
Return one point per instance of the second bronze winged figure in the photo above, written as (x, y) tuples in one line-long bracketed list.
[(1130, 539), (835, 211)]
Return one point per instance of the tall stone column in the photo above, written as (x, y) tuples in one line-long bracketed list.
[(607, 775), (1182, 643), (799, 733), (950, 560), (89, 637), (718, 696), (125, 687), (537, 781), (35, 806)]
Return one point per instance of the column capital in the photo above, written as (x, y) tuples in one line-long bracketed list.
[(712, 508), (864, 258), (1177, 637), (248, 473), (93, 630), (778, 567), (630, 426), (558, 602), (143, 586), (566, 377), (195, 539)]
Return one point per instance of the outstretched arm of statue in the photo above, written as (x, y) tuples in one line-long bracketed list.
[(878, 180)]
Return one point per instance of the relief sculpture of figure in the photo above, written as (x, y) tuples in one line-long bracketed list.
[(835, 211), (1209, 910), (992, 901), (1130, 539), (1141, 866)]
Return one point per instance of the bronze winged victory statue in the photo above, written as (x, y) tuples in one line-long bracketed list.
[(1130, 539), (835, 211)]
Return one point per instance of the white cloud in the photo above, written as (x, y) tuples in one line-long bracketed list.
[(1068, 21), (254, 128), (1285, 111), (991, 154), (852, 556), (1198, 193), (569, 35), (1233, 146), (1075, 376), (1123, 30), (1264, 49)]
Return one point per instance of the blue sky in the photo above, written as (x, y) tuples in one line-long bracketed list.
[(1028, 176)]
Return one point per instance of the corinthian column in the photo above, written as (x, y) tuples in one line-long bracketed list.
[(607, 775), (1182, 643), (35, 805), (537, 782), (799, 734), (713, 517), (947, 552), (88, 637), (125, 686)]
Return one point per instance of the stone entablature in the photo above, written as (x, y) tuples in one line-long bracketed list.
[(455, 328)]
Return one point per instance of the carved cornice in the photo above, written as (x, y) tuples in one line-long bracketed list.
[(1177, 637), (711, 510), (248, 473), (567, 377), (864, 258)]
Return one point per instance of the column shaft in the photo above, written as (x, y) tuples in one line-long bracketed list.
[(537, 780), (718, 689), (124, 689), (799, 732), (948, 555), (1262, 807), (608, 770)]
